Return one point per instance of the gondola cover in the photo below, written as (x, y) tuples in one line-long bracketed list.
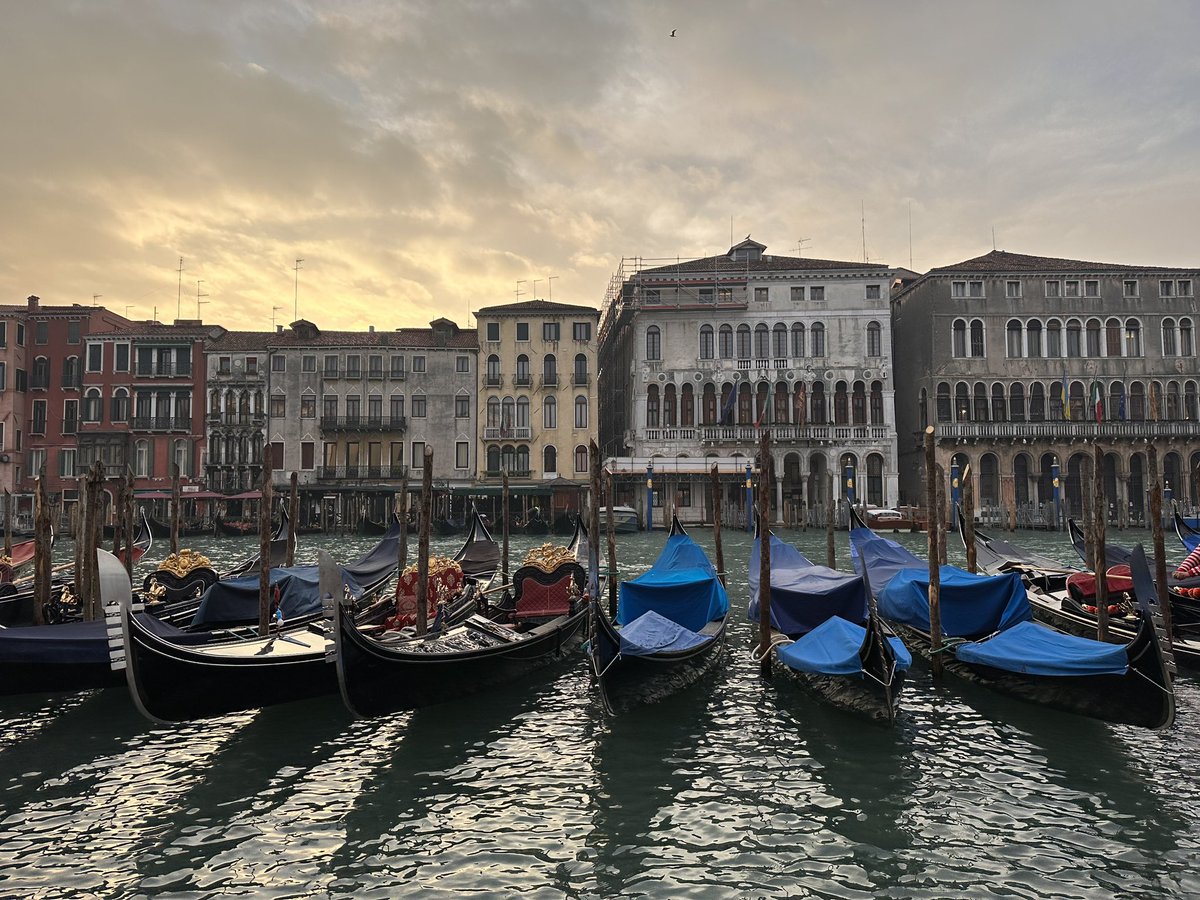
[(971, 605), (236, 600), (1034, 650), (682, 586), (804, 595), (651, 633), (833, 648)]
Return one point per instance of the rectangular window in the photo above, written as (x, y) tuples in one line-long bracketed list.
[(278, 362), (308, 364), (66, 463), (581, 412), (958, 289), (797, 293), (462, 407), (550, 331), (375, 366), (41, 332), (1012, 289), (707, 295), (462, 364), (1166, 289), (873, 292), (3, 376), (121, 357), (354, 366), (397, 369), (724, 295), (308, 406), (817, 293), (20, 339), (3, 334), (581, 331), (1053, 289), (224, 364), (95, 357), (278, 406), (329, 406), (1185, 287), (39, 417), (418, 454), (493, 331), (397, 407), (761, 295), (1131, 289), (522, 331), (1091, 288), (683, 494), (418, 406), (975, 289), (73, 332), (307, 455), (331, 366), (462, 455), (1071, 287), (418, 364), (277, 455), (251, 365), (70, 417), (20, 382)]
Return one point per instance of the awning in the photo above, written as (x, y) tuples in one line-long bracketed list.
[(151, 495), (514, 490)]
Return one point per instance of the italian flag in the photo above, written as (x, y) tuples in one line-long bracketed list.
[(1098, 400)]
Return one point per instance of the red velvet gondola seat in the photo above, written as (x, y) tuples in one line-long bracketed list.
[(544, 595)]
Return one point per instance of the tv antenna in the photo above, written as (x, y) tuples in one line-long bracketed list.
[(535, 284), (96, 297), (274, 309), (550, 286), (518, 292), (296, 299), (178, 296), (800, 242), (198, 300)]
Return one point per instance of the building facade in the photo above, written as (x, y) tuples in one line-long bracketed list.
[(1022, 363), (236, 420), (537, 397), (698, 357)]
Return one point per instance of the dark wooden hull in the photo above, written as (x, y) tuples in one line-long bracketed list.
[(536, 527), (39, 677), (366, 526), (380, 678), (236, 527), (628, 681)]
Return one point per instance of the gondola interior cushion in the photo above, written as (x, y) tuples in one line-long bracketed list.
[(803, 595), (651, 633), (832, 648), (972, 606), (1033, 649), (542, 595), (682, 586)]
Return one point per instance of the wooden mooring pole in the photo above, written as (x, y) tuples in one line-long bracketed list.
[(764, 551), (597, 467), (8, 523), (41, 551), (933, 483), (127, 513), (504, 529), (423, 542), (968, 514), (830, 516), (402, 515), (293, 519), (1099, 521), (715, 485), (264, 545), (174, 508), (1160, 553), (611, 536)]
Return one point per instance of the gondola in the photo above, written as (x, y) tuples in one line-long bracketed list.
[(369, 527), (1186, 529), (388, 672), (1059, 595), (162, 530), (989, 636), (178, 678), (479, 555), (236, 527), (827, 633), (669, 631), (143, 540)]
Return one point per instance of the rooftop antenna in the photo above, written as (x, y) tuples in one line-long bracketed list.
[(550, 286), (910, 235), (96, 297), (296, 299), (993, 237), (518, 292), (864, 230), (535, 284), (800, 242), (178, 296), (128, 306), (198, 300), (274, 309)]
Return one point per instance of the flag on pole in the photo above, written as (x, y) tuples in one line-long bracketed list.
[(1066, 399), (729, 404), (1154, 401), (1121, 406), (762, 413), (1098, 401)]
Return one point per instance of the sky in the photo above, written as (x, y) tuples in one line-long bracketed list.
[(425, 159)]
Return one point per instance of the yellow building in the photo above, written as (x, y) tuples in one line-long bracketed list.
[(537, 401)]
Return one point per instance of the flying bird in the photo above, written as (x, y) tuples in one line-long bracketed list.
[(672, 34)]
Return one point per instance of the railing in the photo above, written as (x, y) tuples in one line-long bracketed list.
[(550, 380), (1058, 430), (163, 370), (161, 423), (375, 373), (39, 383), (751, 433), (493, 380), (354, 373), (581, 378), (361, 473), (514, 433), (363, 423), (512, 473), (70, 426), (523, 380), (255, 419), (37, 426), (396, 374), (327, 372)]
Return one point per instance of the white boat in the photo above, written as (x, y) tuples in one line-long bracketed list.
[(625, 519)]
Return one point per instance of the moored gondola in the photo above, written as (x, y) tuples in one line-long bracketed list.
[(479, 555), (669, 631), (826, 632), (989, 636)]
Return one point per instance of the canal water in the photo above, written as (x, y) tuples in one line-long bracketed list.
[(735, 788)]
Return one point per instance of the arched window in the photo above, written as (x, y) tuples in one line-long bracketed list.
[(745, 404), (1093, 338), (779, 415), (1016, 402), (91, 405), (943, 402), (549, 369), (841, 412), (706, 342), (652, 417), (687, 407), (141, 459), (981, 402), (523, 374), (1133, 337), (120, 405), (1189, 401), (959, 339), (708, 405), (493, 370), (1170, 344), (1013, 341), (1054, 344), (508, 414), (999, 406), (820, 415), (1186, 346), (71, 372), (1117, 408), (581, 412), (508, 458), (877, 403), (1137, 402), (922, 407), (1112, 337), (1172, 401), (798, 340), (725, 342), (549, 413), (874, 339), (653, 343), (800, 405), (493, 459), (1074, 339), (779, 341), (962, 402), (1078, 404), (1056, 401), (493, 412), (858, 404), (581, 369), (977, 338), (522, 459), (549, 460), (817, 333), (522, 412), (182, 457), (669, 406), (743, 342), (726, 414), (874, 479), (40, 376), (762, 341), (581, 458), (1037, 402), (1033, 338)]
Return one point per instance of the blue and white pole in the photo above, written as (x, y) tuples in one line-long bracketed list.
[(649, 496)]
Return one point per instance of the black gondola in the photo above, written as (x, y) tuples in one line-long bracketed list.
[(370, 527), (236, 527), (827, 633), (479, 555), (670, 627), (1188, 534), (989, 636)]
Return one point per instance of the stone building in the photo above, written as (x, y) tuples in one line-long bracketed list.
[(1024, 362), (537, 397), (236, 364), (698, 356)]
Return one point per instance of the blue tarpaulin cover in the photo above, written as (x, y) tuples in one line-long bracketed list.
[(236, 600), (883, 557), (972, 605), (650, 633), (832, 649), (1036, 650), (682, 586), (69, 643), (804, 595)]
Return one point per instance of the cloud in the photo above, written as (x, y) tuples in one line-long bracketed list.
[(424, 157)]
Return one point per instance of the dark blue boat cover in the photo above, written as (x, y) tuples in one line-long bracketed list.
[(236, 600), (682, 586), (1033, 649), (882, 557), (804, 595), (832, 649), (1190, 541), (972, 605), (75, 643), (650, 633)]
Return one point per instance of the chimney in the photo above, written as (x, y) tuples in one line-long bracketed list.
[(33, 301), (371, 329), (279, 329)]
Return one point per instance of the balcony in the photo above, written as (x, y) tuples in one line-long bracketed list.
[(751, 434), (550, 380), (581, 379), (354, 373), (375, 374), (520, 380), (70, 426), (229, 420), (161, 423), (361, 473), (1060, 431), (517, 433), (163, 370), (396, 375), (363, 423), (495, 381), (512, 473)]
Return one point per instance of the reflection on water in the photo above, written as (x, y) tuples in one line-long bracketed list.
[(739, 787)]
